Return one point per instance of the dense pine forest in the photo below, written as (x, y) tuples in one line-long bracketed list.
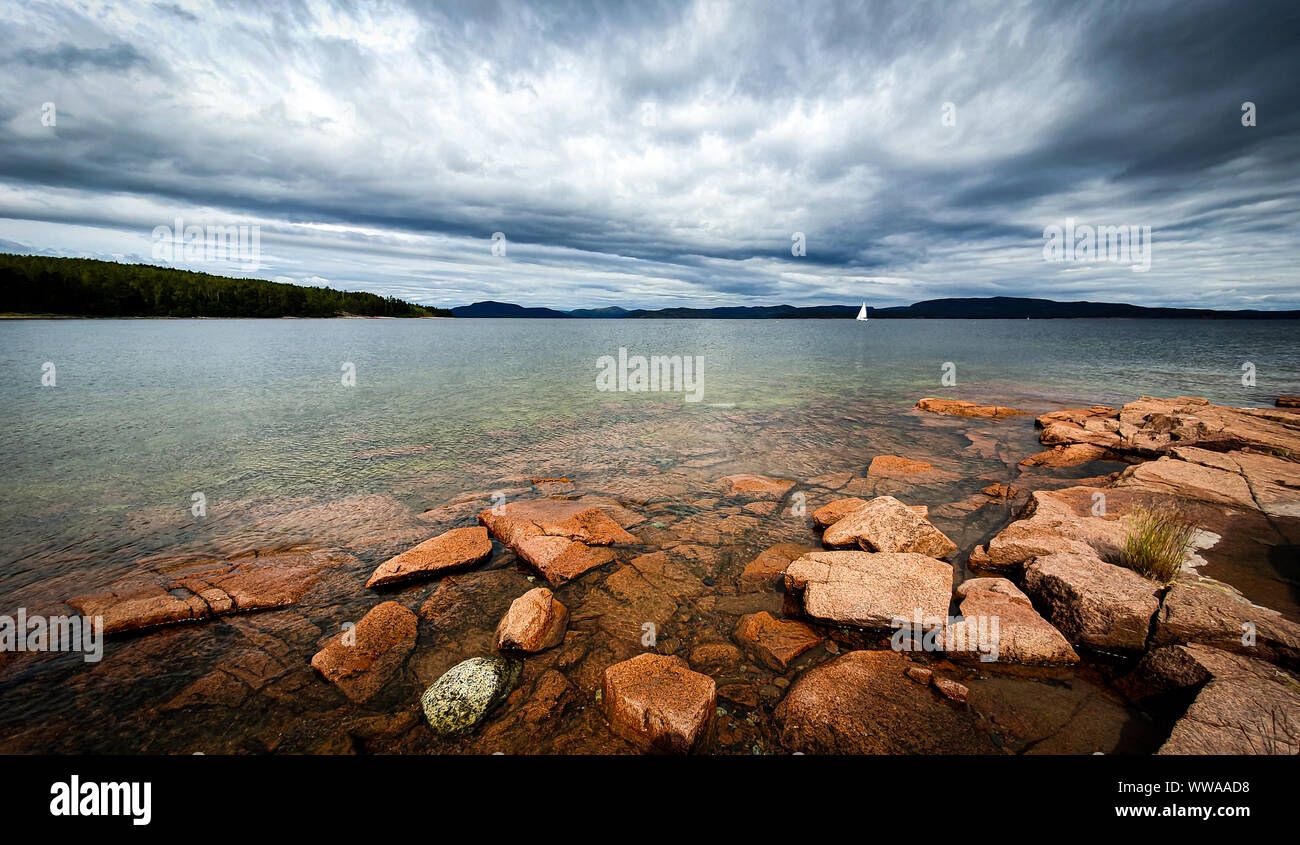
[(83, 287)]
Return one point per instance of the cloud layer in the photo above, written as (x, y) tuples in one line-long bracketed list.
[(661, 154)]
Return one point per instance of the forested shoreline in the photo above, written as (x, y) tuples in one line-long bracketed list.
[(85, 287)]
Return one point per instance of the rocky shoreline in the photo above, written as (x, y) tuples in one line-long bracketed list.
[(590, 608)]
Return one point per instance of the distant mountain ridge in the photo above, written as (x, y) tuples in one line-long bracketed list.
[(490, 308), (964, 308)]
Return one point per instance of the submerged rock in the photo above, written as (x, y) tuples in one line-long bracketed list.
[(756, 485), (864, 702), (960, 408), (535, 622), (774, 642), (658, 704), (205, 589), (362, 660), (512, 522), (828, 515), (462, 698), (885, 524), (556, 536), (869, 589), (1068, 456), (451, 551), (1092, 602), (767, 570), (893, 466)]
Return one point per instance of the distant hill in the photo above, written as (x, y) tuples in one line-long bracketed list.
[(969, 308), (503, 309), (608, 312), (85, 287), (750, 312), (1012, 307)]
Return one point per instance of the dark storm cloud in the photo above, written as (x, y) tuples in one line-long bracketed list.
[(69, 58), (667, 153)]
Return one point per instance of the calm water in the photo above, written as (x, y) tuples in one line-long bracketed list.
[(146, 412), (100, 470)]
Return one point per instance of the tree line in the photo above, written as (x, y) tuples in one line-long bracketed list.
[(85, 287)]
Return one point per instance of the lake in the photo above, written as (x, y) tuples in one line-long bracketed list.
[(343, 433)]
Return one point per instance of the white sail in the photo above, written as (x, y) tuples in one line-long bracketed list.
[(862, 312)]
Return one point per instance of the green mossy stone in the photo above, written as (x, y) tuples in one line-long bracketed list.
[(461, 699)]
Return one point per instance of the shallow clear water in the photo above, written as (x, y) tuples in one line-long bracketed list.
[(100, 468), (146, 412)]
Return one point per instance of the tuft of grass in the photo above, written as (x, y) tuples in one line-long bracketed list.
[(1157, 543)]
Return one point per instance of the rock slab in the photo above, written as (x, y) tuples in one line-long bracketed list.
[(870, 589), (452, 551)]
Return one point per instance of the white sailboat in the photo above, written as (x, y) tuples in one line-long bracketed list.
[(862, 312)]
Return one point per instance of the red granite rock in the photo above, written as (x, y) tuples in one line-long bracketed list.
[(560, 559), (535, 622), (452, 551), (756, 485), (774, 642), (767, 570), (360, 661), (658, 704), (553, 518), (203, 589), (960, 408)]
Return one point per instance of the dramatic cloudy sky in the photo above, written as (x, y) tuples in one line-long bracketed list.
[(653, 154)]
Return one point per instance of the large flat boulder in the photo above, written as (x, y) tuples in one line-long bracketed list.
[(659, 704), (885, 524), (1242, 705), (1202, 610), (869, 589), (863, 702), (451, 551), (1245, 480), (1151, 427), (1094, 603), (360, 661), (1052, 522), (1184, 479), (999, 623)]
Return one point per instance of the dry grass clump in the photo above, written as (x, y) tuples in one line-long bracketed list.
[(1157, 543)]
